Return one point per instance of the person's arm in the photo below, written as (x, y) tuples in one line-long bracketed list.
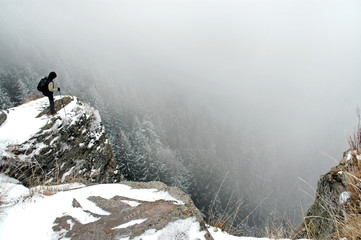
[(51, 87)]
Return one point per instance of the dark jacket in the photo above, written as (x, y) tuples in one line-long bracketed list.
[(50, 89)]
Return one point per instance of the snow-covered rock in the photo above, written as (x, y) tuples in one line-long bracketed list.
[(71, 145), (106, 211)]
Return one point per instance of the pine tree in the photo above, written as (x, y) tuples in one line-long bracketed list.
[(23, 89), (5, 101), (125, 157)]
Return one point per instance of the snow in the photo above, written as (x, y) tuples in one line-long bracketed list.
[(29, 213), (344, 196), (68, 173), (217, 234), (80, 215), (131, 223), (131, 203), (21, 123), (182, 229), (36, 213), (11, 191)]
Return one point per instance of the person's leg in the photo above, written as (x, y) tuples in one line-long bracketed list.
[(51, 102)]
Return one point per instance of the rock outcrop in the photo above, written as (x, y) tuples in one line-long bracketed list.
[(70, 146), (129, 218), (337, 198), (2, 117)]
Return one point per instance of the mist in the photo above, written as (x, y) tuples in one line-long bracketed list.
[(283, 75)]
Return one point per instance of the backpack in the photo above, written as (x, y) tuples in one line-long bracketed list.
[(43, 85)]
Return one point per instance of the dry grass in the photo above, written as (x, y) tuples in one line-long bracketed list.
[(38, 182), (225, 220), (349, 225), (279, 228), (230, 222), (275, 228), (354, 141)]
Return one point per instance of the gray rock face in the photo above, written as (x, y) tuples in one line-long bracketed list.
[(144, 215), (68, 148), (2, 117)]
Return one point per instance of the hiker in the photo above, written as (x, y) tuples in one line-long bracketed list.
[(49, 90)]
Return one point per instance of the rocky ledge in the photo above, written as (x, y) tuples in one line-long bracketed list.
[(69, 146)]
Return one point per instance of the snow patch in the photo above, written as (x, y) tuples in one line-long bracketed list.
[(14, 130), (68, 173), (131, 223), (182, 229), (91, 144), (131, 203), (344, 197), (11, 191), (80, 215), (90, 206)]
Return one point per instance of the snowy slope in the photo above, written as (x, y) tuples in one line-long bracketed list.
[(34, 213), (22, 123)]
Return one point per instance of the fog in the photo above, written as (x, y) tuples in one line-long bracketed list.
[(283, 74)]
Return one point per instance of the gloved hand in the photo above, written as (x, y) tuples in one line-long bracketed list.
[(58, 89)]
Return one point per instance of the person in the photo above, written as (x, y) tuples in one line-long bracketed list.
[(49, 92)]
